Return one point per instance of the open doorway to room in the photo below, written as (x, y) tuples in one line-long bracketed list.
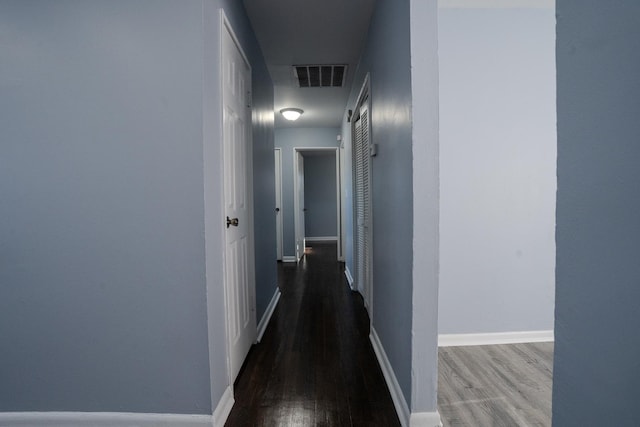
[(317, 204), (497, 173)]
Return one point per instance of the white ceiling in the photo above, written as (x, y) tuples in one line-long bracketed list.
[(301, 32)]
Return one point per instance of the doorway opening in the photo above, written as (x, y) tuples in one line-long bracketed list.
[(317, 197)]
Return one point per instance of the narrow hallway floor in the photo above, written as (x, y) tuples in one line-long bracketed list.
[(315, 365)]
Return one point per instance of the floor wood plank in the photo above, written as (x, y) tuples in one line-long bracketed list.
[(315, 365), (495, 385)]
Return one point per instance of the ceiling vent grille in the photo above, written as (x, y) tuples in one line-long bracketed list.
[(320, 75)]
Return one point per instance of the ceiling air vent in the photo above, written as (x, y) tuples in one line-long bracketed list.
[(320, 75)]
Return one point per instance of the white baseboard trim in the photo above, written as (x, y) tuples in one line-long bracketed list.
[(349, 277), (496, 4), (402, 409), (287, 258), (103, 419), (262, 326), (223, 409), (425, 419), (321, 239), (456, 340)]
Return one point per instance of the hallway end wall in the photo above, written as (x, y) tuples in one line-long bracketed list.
[(320, 198)]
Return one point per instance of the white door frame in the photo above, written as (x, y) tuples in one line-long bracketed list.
[(279, 211), (225, 26), (298, 211), (337, 152)]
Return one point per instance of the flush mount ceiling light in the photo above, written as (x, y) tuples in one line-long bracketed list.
[(291, 113)]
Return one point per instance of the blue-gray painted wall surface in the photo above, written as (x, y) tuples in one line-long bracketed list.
[(425, 151), (387, 58), (597, 350), (102, 297), (287, 139), (102, 258), (320, 197), (497, 169)]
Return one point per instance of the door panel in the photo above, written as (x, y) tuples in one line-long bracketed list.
[(279, 225), (362, 190), (239, 281), (300, 209)]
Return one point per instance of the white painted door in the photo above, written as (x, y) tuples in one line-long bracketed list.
[(364, 237), (278, 168), (299, 206), (239, 263)]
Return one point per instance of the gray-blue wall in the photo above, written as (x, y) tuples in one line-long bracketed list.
[(320, 198), (103, 295), (497, 169), (387, 58), (425, 151), (597, 346), (287, 139)]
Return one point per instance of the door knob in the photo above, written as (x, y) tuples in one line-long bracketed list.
[(233, 221), (277, 209)]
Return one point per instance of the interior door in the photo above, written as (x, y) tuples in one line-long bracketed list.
[(364, 235), (239, 271), (299, 207), (278, 169)]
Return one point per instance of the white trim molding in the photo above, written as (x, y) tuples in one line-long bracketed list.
[(321, 239), (457, 340), (425, 419), (264, 322), (104, 419), (289, 258), (402, 409), (496, 4), (223, 409), (349, 277)]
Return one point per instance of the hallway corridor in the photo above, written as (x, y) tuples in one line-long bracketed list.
[(315, 365)]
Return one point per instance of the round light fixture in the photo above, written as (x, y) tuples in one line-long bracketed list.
[(291, 113)]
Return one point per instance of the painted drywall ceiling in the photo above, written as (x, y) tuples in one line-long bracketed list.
[(295, 32)]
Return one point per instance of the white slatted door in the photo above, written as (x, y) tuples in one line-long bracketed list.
[(363, 204), (239, 280)]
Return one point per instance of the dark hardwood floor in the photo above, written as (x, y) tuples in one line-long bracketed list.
[(315, 365)]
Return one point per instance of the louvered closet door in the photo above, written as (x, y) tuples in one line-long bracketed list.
[(363, 204)]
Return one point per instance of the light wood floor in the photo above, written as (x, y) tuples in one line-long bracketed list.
[(495, 385)]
